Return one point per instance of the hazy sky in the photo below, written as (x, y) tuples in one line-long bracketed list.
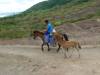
[(16, 5)]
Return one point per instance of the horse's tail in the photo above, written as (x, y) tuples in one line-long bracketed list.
[(79, 46), (65, 37)]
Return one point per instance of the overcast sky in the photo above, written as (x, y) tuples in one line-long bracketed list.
[(7, 6)]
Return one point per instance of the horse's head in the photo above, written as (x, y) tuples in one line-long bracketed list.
[(36, 33), (33, 34)]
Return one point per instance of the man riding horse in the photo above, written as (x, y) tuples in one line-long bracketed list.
[(49, 33), (47, 36)]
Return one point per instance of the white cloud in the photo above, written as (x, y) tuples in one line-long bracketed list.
[(16, 5)]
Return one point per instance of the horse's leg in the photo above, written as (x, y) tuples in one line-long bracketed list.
[(59, 46), (54, 42), (48, 47), (65, 54), (78, 51), (42, 47), (67, 50), (76, 48), (71, 53)]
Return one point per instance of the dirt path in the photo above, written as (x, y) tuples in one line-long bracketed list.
[(28, 60)]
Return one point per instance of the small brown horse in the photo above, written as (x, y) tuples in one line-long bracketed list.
[(40, 34), (67, 44)]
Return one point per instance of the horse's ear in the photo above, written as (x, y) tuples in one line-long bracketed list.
[(34, 31)]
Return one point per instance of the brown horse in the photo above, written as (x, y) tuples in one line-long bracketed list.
[(66, 44), (40, 34)]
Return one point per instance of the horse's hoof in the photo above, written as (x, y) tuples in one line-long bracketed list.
[(48, 49), (42, 50), (70, 56), (65, 57)]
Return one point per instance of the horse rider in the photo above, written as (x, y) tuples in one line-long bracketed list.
[(49, 31)]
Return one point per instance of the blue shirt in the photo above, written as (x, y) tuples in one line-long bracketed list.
[(49, 28)]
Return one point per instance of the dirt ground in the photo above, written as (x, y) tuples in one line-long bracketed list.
[(30, 60)]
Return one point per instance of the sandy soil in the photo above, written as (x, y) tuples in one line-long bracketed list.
[(30, 60)]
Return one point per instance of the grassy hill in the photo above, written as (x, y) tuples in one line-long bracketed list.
[(58, 11)]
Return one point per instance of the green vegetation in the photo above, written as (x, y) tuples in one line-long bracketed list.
[(57, 11)]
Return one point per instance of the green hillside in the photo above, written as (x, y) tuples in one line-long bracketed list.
[(53, 3), (58, 11)]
